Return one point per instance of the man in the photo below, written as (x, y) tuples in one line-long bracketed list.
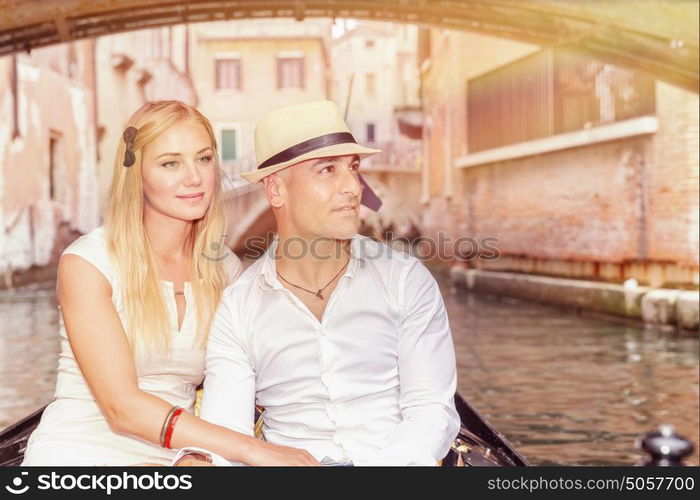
[(345, 342)]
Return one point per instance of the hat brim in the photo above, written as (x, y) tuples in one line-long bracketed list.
[(334, 150)]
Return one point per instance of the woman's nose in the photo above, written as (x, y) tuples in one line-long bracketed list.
[(192, 175)]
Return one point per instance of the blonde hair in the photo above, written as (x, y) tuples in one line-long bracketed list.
[(147, 321)]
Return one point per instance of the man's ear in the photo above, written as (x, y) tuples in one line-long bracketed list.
[(274, 190)]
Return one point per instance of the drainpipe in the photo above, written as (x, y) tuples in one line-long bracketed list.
[(170, 45), (643, 251), (447, 143), (425, 175), (187, 50), (95, 108), (15, 97)]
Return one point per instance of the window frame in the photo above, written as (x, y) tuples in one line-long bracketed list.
[(228, 57), (291, 56), (219, 128)]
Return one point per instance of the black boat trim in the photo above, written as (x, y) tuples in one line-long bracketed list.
[(481, 444)]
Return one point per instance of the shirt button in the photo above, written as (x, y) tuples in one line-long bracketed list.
[(323, 332)]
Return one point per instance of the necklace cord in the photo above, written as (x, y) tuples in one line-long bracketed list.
[(317, 293)]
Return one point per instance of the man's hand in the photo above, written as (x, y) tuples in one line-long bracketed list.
[(193, 462)]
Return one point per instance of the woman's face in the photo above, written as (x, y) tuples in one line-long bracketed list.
[(179, 172)]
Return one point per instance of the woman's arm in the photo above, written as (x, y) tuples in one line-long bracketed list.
[(105, 358)]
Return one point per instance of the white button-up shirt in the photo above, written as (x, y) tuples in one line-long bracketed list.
[(372, 383)]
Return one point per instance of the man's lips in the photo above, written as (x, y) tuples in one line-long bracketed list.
[(346, 208)]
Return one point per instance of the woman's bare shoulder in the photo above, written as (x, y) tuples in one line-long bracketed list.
[(86, 255)]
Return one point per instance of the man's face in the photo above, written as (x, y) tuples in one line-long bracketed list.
[(319, 198)]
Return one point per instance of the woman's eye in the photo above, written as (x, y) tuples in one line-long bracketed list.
[(169, 164), (205, 159)]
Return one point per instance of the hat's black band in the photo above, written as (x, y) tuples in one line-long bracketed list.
[(308, 146)]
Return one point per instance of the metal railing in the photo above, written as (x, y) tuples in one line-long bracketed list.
[(551, 92)]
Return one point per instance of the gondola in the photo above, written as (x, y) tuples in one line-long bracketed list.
[(478, 444)]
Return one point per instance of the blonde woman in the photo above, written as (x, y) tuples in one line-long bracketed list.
[(137, 297)]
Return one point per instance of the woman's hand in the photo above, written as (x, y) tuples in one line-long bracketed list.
[(271, 454)]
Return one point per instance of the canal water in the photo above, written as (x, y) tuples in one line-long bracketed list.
[(564, 389)]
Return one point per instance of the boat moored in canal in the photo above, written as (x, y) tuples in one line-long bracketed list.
[(478, 443)]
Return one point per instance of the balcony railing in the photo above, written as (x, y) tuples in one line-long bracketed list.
[(395, 156), (404, 156), (549, 93)]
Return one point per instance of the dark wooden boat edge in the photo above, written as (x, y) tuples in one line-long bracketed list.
[(491, 444), (478, 442)]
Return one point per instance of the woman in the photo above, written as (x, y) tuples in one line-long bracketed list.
[(134, 321)]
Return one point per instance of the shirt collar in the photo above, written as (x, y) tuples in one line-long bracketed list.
[(268, 272)]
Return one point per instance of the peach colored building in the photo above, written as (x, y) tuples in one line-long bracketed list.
[(133, 68), (375, 74), (243, 69), (63, 111), (47, 152)]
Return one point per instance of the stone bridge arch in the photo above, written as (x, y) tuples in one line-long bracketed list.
[(661, 38)]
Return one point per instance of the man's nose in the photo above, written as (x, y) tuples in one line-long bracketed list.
[(350, 183)]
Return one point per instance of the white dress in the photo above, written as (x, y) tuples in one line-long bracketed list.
[(73, 430)]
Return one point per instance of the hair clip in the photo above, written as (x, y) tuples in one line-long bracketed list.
[(129, 136)]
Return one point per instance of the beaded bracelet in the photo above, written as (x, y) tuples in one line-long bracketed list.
[(171, 426)]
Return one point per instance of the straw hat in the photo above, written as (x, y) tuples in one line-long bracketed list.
[(292, 134)]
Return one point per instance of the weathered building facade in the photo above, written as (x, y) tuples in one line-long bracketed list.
[(47, 153), (579, 168)]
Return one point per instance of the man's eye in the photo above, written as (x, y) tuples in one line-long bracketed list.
[(326, 169), (355, 167)]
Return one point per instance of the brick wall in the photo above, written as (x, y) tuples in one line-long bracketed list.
[(612, 210), (672, 178)]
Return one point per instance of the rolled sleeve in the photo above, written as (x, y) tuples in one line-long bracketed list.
[(229, 382)]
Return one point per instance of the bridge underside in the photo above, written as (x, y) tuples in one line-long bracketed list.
[(660, 37)]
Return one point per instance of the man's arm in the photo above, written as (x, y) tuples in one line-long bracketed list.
[(229, 390), (427, 374), (229, 381)]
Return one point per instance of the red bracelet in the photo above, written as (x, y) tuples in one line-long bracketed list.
[(171, 427)]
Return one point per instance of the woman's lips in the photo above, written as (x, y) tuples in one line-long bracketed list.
[(194, 197)]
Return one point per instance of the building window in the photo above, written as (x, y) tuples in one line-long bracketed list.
[(290, 72), (370, 132), (552, 92), (228, 145), (370, 85), (228, 73)]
